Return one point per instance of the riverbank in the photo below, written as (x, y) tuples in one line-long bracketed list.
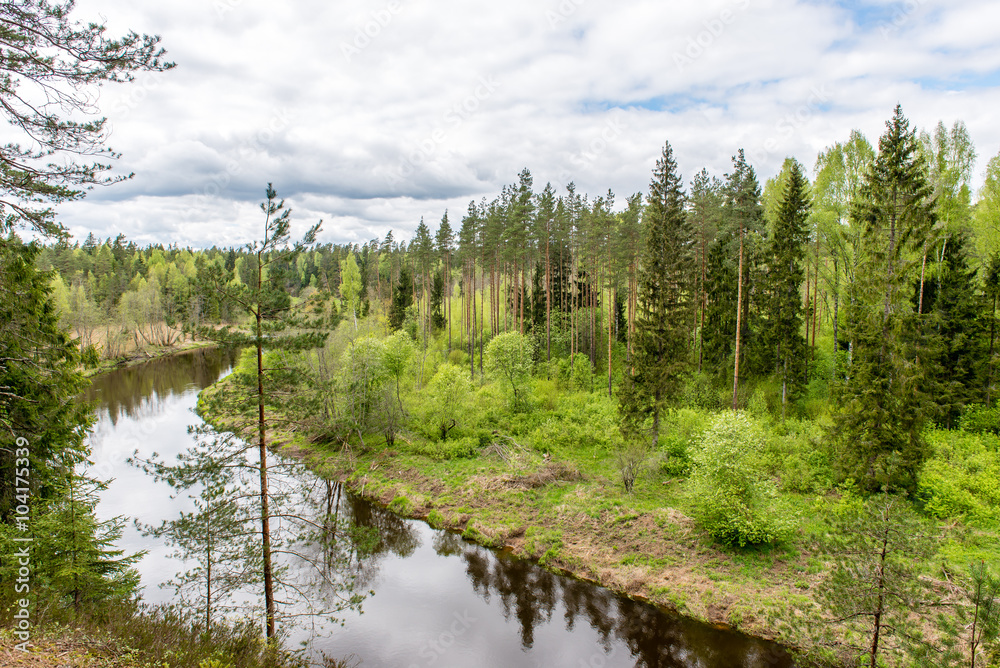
[(145, 355), (567, 511)]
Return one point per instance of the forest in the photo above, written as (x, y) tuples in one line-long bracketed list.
[(801, 372)]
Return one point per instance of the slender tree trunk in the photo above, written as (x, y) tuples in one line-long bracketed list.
[(265, 519), (989, 360), (265, 515), (815, 298), (923, 268), (739, 325), (548, 303)]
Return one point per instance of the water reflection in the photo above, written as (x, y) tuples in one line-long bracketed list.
[(138, 392), (552, 615)]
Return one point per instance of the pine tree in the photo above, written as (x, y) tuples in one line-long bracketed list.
[(784, 339), (745, 217), (666, 300), (881, 412), (267, 305)]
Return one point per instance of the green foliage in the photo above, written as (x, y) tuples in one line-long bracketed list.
[(454, 448), (881, 406), (962, 477), (448, 396), (543, 544), (39, 379), (983, 619), (63, 62), (980, 419), (666, 303), (735, 503), (877, 546), (508, 360)]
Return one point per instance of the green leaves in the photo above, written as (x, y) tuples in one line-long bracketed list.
[(734, 500)]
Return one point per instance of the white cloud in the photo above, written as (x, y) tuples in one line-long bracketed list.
[(372, 113)]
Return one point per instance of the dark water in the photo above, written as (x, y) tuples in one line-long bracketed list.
[(439, 600)]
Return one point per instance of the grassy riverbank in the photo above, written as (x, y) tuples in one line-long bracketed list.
[(547, 487)]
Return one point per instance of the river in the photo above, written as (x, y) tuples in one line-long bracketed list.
[(438, 600)]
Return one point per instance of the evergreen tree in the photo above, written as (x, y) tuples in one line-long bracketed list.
[(784, 339), (666, 300), (402, 298), (257, 298), (952, 335), (881, 412), (39, 378)]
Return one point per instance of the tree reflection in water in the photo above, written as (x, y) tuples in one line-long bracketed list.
[(654, 638)]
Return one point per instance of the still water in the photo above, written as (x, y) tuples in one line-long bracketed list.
[(438, 600)]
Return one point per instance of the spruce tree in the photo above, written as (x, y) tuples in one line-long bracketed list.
[(953, 335), (881, 413), (666, 301), (785, 343)]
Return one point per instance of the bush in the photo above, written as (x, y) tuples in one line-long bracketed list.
[(734, 502), (675, 457), (448, 397), (508, 359), (962, 477), (979, 419), (456, 448)]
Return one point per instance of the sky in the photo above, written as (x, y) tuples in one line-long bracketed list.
[(370, 114)]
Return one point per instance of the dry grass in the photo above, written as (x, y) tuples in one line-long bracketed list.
[(65, 648)]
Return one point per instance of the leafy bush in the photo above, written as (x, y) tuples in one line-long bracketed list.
[(508, 359), (455, 448), (962, 477), (448, 400), (675, 457), (979, 419), (734, 502)]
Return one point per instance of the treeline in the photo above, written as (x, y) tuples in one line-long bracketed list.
[(565, 269)]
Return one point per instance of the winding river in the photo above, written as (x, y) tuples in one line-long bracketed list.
[(438, 600)]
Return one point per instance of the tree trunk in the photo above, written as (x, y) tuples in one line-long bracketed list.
[(739, 325), (265, 519)]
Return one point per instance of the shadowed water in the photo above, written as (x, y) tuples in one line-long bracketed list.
[(439, 600)]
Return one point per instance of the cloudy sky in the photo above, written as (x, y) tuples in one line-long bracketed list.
[(369, 114)]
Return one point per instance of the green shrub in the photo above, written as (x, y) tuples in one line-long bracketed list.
[(543, 544), (962, 477), (675, 458), (734, 502), (454, 448), (979, 419)]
